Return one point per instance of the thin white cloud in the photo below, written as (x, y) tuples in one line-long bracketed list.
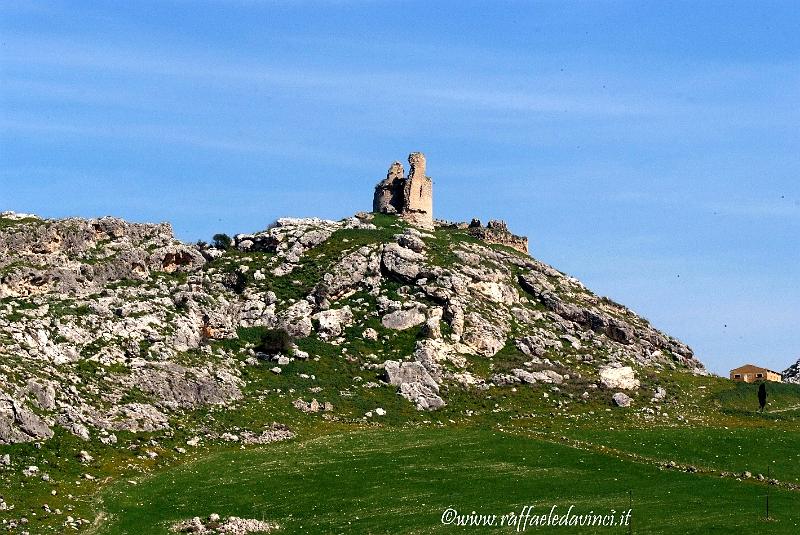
[(431, 87), (212, 141)]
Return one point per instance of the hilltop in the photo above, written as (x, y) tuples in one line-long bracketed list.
[(140, 325), (125, 353), (135, 369)]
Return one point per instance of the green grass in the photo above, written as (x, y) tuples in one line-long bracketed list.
[(401, 481), (743, 397), (755, 450), (6, 222)]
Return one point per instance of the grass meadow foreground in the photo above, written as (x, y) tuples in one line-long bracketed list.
[(706, 466), (403, 480)]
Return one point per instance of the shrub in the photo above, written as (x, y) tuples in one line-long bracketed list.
[(222, 241), (274, 341)]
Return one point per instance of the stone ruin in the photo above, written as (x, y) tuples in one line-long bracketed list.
[(409, 197), (496, 231)]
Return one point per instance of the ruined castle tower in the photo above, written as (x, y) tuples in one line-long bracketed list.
[(389, 192), (410, 197)]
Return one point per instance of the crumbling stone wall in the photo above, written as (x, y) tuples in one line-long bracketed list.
[(389, 192), (496, 231), (410, 197)]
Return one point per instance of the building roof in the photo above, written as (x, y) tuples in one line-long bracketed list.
[(753, 368)]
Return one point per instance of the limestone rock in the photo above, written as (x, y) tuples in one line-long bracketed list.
[(618, 377), (483, 337), (621, 399), (400, 320), (359, 269), (173, 385), (19, 424), (135, 417), (332, 322), (411, 239), (400, 262), (415, 384), (370, 334)]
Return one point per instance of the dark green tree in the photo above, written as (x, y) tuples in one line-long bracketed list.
[(274, 341), (222, 241)]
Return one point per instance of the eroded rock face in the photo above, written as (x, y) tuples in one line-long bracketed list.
[(177, 386), (415, 384), (19, 424), (145, 311), (358, 269), (77, 256), (400, 262), (136, 418), (482, 336)]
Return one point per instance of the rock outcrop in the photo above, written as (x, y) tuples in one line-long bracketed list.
[(110, 326), (415, 384), (496, 231), (792, 373)]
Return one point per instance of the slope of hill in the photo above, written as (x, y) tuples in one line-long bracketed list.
[(128, 358), (792, 373), (110, 326)]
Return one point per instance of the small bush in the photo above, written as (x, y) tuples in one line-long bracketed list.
[(222, 241), (274, 341)]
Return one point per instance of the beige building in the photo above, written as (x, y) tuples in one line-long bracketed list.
[(750, 374)]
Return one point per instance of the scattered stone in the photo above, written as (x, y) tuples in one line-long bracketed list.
[(274, 433), (370, 334), (621, 399), (30, 471), (232, 525), (312, 406)]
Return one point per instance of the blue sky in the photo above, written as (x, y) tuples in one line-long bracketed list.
[(649, 148)]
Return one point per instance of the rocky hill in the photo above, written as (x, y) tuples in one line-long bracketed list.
[(108, 326), (792, 373)]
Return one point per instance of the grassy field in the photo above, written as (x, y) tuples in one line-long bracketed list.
[(493, 453), (759, 450), (402, 480)]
